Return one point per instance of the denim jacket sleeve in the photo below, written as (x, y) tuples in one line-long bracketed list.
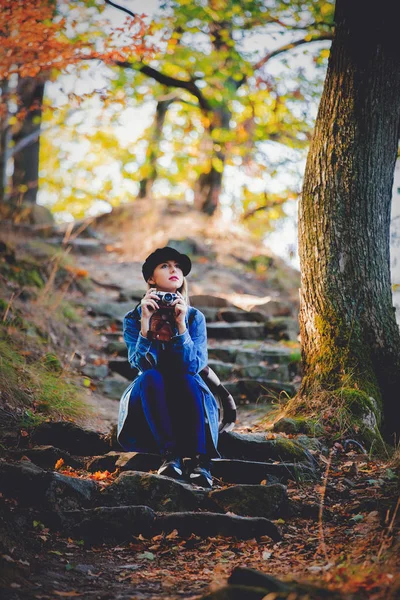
[(191, 345), (138, 346)]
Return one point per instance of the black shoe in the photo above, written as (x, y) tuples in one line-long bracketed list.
[(200, 474), (172, 467)]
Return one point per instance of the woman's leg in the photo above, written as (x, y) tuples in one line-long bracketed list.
[(154, 403), (185, 402)]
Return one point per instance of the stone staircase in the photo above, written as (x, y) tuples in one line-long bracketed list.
[(250, 478), (255, 356)]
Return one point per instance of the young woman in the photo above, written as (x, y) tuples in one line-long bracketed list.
[(168, 408)]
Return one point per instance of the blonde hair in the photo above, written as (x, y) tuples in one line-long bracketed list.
[(184, 290)]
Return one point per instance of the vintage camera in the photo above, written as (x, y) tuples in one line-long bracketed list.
[(162, 321), (166, 298)]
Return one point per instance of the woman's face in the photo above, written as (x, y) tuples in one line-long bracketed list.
[(167, 276)]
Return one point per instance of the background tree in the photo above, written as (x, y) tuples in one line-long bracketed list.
[(350, 339), (203, 56), (39, 40)]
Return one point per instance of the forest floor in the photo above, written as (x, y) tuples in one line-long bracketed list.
[(342, 535)]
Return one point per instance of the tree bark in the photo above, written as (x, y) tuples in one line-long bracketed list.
[(153, 149), (350, 338), (30, 93)]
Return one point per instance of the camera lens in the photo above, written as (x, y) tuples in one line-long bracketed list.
[(168, 297)]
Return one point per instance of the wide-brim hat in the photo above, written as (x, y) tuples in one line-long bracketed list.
[(163, 255)]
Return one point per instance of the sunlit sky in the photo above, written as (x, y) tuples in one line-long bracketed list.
[(133, 122)]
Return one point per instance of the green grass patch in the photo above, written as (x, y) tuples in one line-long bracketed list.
[(38, 388)]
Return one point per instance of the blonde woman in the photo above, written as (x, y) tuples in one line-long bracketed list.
[(168, 408)]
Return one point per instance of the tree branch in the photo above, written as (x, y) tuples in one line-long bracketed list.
[(285, 48), (126, 10), (169, 81)]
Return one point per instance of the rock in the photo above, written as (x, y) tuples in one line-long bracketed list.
[(117, 348), (114, 310), (242, 576), (269, 501), (208, 524), (119, 523), (95, 371), (255, 446), (299, 425), (240, 592), (232, 316), (135, 294), (239, 330), (274, 308), (137, 461), (210, 313), (276, 371), (114, 387), (159, 492), (123, 368), (70, 437), (253, 472), (47, 456), (256, 390), (103, 463), (32, 486), (200, 300), (285, 328), (249, 356), (106, 524), (224, 370)]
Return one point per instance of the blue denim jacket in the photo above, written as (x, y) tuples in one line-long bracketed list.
[(191, 349)]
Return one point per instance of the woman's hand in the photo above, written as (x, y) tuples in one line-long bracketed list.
[(149, 303), (181, 309)]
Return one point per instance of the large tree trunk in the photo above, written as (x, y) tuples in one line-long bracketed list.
[(153, 149), (350, 338), (30, 93), (5, 139)]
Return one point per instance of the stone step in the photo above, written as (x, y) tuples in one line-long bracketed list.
[(240, 330), (260, 448), (117, 524), (235, 353), (226, 371), (224, 469), (259, 390)]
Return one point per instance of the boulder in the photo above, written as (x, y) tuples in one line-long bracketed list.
[(159, 492), (46, 456), (253, 472), (33, 486), (114, 310), (269, 501), (255, 446), (70, 437)]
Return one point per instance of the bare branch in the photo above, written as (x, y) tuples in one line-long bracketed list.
[(126, 10)]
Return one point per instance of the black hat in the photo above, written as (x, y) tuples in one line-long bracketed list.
[(163, 255)]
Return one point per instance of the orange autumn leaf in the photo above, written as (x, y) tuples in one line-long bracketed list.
[(100, 475), (59, 464)]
